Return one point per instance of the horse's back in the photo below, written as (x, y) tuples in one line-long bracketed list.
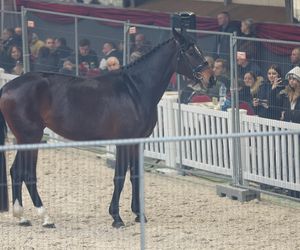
[(107, 106), (23, 80)]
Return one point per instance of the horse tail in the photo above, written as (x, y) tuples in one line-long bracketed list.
[(3, 177)]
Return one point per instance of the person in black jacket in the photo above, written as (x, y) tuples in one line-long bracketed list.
[(45, 61), (62, 51), (266, 104), (87, 58), (13, 62), (222, 41), (10, 40), (253, 48), (288, 99), (295, 58)]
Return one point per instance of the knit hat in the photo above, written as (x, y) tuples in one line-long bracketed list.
[(295, 72)]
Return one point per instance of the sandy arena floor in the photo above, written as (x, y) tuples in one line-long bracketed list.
[(183, 212)]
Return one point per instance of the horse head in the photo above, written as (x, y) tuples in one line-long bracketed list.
[(190, 59)]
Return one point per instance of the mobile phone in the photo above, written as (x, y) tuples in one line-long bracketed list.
[(262, 101), (241, 55)]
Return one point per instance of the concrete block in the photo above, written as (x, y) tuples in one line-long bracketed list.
[(236, 193), (167, 171)]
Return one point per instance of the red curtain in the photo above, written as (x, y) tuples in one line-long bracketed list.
[(279, 32), (264, 30)]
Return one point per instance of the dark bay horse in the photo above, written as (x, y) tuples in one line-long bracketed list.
[(117, 105)]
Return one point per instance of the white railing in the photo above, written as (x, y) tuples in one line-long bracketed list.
[(273, 160), (211, 155), (4, 78)]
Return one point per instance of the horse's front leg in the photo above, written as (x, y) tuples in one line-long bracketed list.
[(134, 178), (119, 179)]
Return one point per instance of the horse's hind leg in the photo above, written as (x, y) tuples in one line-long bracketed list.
[(134, 178), (30, 180), (16, 173), (24, 169), (122, 160)]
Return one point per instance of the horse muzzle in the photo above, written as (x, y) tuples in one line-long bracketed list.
[(197, 71)]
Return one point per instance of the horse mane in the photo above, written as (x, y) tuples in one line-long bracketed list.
[(145, 56)]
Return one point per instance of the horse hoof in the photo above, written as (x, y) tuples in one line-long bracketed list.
[(51, 225), (138, 219), (25, 223), (118, 224)]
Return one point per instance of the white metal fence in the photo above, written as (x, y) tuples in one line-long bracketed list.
[(270, 160)]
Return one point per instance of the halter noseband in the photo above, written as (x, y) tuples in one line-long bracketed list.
[(198, 68)]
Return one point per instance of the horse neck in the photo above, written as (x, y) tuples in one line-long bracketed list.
[(152, 74)]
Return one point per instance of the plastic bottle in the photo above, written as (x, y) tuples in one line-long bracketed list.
[(222, 94), (92, 65)]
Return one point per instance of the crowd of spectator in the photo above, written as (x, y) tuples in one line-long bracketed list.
[(54, 55), (263, 91), (11, 58), (271, 94)]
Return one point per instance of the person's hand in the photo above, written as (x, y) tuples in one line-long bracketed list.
[(276, 82), (265, 105), (255, 102), (68, 65), (18, 70)]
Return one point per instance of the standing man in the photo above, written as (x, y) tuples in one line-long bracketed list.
[(295, 57), (222, 47)]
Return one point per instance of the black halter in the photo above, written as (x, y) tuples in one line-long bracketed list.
[(195, 70)]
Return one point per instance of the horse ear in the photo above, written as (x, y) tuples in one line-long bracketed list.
[(178, 36)]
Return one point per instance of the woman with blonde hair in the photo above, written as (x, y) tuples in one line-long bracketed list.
[(289, 98), (253, 82)]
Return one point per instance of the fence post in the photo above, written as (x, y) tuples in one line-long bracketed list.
[(142, 194), (126, 42), (169, 127), (242, 150), (76, 45), (235, 147), (230, 129), (2, 17), (2, 82), (25, 47)]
